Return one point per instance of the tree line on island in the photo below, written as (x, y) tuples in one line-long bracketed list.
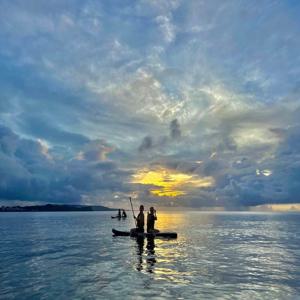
[(55, 207)]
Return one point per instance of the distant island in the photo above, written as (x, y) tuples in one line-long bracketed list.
[(54, 207)]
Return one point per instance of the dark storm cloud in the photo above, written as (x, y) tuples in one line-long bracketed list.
[(30, 172), (146, 144), (175, 131), (163, 141)]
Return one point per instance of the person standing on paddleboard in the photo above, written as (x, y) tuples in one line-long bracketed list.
[(151, 218), (140, 220)]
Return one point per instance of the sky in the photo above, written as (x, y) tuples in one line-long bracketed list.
[(175, 103)]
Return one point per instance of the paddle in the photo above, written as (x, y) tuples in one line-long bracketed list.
[(132, 212)]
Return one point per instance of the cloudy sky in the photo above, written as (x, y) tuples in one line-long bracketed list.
[(176, 103)]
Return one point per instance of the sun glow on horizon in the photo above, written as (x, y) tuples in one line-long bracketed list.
[(284, 207), (170, 183)]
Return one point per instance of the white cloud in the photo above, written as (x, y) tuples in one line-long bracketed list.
[(167, 28)]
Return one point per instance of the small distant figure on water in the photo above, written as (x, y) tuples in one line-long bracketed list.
[(124, 215), (118, 216), (140, 220), (151, 218)]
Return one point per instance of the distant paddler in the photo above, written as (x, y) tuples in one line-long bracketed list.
[(118, 216)]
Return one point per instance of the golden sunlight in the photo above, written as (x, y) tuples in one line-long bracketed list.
[(284, 207), (170, 183)]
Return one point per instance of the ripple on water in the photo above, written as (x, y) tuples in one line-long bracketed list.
[(74, 256)]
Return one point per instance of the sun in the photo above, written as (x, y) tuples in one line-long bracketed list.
[(165, 182)]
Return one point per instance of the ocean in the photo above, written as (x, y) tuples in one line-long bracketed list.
[(217, 255)]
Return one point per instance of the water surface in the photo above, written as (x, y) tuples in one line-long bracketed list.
[(72, 255)]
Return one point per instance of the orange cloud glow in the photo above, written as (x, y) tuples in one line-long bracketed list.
[(170, 183)]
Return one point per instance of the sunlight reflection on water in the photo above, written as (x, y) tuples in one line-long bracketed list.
[(226, 255)]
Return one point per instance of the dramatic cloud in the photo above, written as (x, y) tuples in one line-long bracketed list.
[(147, 143), (182, 103), (31, 171), (175, 129)]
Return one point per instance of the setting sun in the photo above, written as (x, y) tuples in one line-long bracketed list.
[(170, 183)]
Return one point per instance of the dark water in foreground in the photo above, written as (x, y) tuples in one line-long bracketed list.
[(217, 255)]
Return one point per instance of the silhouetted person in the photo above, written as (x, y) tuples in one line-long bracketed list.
[(140, 220), (151, 218), (124, 215), (119, 213)]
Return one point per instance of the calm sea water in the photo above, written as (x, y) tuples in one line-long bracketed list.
[(217, 255)]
